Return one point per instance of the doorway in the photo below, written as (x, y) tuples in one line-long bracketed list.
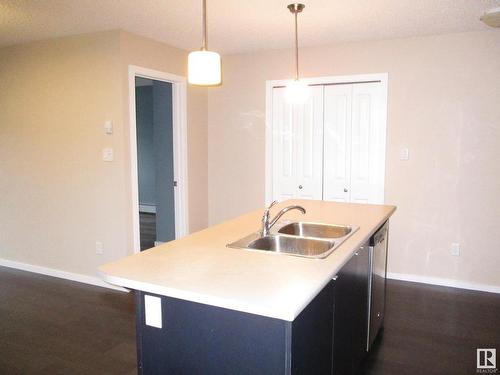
[(158, 157), (155, 164)]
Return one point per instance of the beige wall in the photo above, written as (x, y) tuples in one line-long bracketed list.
[(57, 197), (443, 104)]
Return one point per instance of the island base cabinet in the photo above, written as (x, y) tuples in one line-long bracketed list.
[(328, 337), (201, 339), (312, 339), (350, 328)]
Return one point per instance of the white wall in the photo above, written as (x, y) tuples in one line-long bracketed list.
[(443, 104)]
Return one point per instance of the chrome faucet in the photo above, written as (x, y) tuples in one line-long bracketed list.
[(267, 223)]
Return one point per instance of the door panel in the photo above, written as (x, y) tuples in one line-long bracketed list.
[(337, 145), (284, 177), (309, 128), (297, 137), (164, 161), (366, 144)]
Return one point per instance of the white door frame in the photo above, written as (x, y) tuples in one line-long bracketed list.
[(179, 124), (383, 78)]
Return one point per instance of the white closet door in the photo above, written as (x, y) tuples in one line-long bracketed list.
[(284, 176), (368, 144), (309, 130), (297, 137), (337, 143)]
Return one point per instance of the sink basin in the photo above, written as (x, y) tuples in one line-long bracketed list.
[(309, 240), (315, 230), (308, 247)]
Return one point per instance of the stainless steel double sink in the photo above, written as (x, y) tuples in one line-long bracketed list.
[(310, 240)]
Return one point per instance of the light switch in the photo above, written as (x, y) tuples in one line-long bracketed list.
[(404, 154), (107, 154), (108, 127), (152, 311)]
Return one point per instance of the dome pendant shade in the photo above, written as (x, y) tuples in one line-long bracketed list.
[(492, 17), (204, 68)]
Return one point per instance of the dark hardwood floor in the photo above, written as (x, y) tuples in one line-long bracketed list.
[(434, 330), (147, 224), (54, 326)]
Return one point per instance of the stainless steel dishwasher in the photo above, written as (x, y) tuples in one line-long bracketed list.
[(377, 282)]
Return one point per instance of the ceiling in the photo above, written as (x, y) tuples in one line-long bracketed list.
[(240, 26)]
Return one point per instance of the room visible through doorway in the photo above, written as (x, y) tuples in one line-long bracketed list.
[(155, 166)]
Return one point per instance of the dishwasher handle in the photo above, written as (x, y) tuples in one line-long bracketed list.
[(380, 235)]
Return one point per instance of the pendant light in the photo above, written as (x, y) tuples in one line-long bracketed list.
[(204, 67), (491, 17), (297, 91)]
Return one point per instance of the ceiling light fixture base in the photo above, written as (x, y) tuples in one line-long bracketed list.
[(295, 7)]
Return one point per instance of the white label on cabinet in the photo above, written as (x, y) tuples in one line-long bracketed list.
[(152, 311)]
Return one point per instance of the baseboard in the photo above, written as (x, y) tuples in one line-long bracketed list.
[(147, 208), (60, 274), (444, 282)]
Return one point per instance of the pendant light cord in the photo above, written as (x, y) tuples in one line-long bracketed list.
[(204, 38), (296, 8), (296, 49)]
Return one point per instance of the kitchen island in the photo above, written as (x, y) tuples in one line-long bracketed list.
[(204, 308)]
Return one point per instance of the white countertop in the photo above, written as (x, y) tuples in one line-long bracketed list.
[(200, 268)]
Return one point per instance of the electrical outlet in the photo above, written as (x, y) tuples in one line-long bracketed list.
[(455, 249), (99, 248), (404, 154)]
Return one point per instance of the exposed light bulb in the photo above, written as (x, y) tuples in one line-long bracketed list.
[(297, 92)]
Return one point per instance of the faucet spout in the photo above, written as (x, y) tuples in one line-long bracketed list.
[(284, 211), (267, 223)]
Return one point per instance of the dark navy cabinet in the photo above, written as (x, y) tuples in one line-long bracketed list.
[(328, 337), (351, 313), (202, 339)]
